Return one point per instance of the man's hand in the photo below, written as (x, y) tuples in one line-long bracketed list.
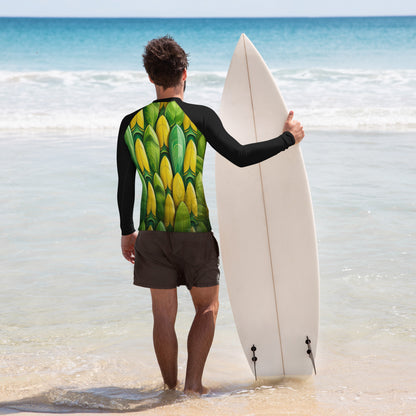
[(294, 127), (127, 246)]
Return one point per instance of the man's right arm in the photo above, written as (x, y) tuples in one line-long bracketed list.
[(249, 154)]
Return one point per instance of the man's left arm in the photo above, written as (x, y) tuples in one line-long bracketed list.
[(125, 194)]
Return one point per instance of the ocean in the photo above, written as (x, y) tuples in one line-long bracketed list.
[(76, 335)]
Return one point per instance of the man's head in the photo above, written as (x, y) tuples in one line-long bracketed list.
[(165, 62)]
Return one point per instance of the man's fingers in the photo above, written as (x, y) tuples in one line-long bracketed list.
[(290, 116), (129, 256), (127, 246)]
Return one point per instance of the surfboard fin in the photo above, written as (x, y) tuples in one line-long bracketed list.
[(254, 359), (310, 353)]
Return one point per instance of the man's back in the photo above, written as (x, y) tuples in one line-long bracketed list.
[(168, 151)]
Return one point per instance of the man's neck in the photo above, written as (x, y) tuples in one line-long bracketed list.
[(169, 92)]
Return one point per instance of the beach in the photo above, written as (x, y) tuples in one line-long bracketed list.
[(76, 334)]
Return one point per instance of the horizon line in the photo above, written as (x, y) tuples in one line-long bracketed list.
[(209, 17)]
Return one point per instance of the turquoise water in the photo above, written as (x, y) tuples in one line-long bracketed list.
[(116, 44), (74, 332)]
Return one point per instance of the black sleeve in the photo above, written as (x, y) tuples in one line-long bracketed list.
[(241, 155), (126, 181)]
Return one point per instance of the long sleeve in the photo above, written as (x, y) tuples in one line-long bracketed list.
[(126, 182), (241, 155)]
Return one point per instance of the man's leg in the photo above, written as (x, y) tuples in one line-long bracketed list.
[(201, 335), (165, 306)]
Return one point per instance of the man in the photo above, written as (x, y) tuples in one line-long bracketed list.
[(164, 142)]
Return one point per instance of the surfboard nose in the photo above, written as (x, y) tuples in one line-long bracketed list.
[(243, 39)]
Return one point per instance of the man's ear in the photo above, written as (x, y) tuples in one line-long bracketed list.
[(184, 75), (150, 79)]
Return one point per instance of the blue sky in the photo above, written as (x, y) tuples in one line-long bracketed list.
[(211, 8)]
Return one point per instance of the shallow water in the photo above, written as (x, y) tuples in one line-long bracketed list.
[(76, 334)]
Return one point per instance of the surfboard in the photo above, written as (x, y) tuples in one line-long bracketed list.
[(266, 228)]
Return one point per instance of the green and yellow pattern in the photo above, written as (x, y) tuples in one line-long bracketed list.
[(168, 151)]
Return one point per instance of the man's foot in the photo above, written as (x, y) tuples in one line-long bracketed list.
[(197, 392), (166, 387)]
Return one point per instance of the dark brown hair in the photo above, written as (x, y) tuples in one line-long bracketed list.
[(164, 61)]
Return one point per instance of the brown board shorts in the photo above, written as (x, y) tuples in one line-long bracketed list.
[(167, 259)]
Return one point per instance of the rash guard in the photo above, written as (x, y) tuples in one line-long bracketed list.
[(165, 142)]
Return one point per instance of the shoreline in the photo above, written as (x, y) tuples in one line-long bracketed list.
[(361, 384)]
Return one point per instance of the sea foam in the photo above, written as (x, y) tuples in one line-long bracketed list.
[(324, 99)]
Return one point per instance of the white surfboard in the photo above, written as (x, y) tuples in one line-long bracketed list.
[(267, 231)]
